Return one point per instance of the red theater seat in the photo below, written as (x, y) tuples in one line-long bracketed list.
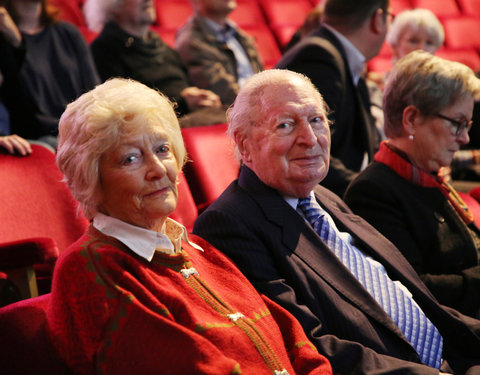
[(36, 204), (286, 12), (213, 165), (469, 57), (25, 347), (266, 44), (462, 32), (186, 212), (441, 8), (246, 13), (172, 14), (399, 6), (470, 7)]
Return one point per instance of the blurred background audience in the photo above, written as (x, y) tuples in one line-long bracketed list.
[(219, 55), (126, 47), (45, 64)]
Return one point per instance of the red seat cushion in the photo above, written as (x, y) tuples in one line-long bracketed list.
[(25, 347)]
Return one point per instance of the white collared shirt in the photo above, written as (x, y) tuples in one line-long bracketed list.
[(141, 241)]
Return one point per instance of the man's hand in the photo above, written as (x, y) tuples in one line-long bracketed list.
[(14, 143), (198, 98), (9, 29)]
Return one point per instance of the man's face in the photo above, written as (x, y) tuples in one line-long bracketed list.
[(216, 8), (289, 147), (137, 12)]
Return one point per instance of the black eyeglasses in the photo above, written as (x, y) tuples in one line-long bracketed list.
[(460, 125)]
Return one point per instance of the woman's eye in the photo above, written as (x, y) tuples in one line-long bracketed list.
[(129, 159), (163, 149)]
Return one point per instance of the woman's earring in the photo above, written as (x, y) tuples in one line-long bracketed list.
[(410, 137)]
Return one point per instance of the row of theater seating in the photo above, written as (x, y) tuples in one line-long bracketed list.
[(273, 22)]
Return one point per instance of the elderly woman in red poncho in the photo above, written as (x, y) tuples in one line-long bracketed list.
[(136, 294), (428, 104)]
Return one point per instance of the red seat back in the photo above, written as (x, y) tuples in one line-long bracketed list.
[(441, 8), (35, 202), (462, 32), (213, 165), (470, 7), (172, 14), (186, 212), (266, 43)]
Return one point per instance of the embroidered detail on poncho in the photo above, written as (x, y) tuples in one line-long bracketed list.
[(283, 372)]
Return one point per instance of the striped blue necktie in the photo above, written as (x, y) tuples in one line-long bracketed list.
[(401, 308)]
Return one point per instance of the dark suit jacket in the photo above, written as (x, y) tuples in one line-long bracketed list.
[(353, 129), (286, 260), (426, 229)]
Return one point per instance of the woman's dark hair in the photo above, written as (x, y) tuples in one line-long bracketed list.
[(48, 16)]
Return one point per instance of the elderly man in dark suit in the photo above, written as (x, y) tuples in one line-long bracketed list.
[(334, 57), (358, 299)]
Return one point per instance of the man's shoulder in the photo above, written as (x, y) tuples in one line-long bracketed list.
[(194, 29)]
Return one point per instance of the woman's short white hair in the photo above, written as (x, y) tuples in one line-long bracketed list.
[(98, 12), (96, 122), (249, 107), (427, 82), (416, 19)]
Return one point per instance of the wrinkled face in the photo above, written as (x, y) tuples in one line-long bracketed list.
[(412, 40), (137, 12), (435, 141), (289, 146), (216, 7), (138, 179)]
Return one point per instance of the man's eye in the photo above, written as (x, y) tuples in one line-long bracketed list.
[(283, 125)]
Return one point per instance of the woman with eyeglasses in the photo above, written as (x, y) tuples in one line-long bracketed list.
[(428, 104)]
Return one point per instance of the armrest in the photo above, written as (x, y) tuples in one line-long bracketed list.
[(29, 251)]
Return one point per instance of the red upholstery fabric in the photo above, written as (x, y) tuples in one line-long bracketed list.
[(266, 44), (441, 8), (247, 13), (25, 347), (399, 6), (186, 212), (34, 200), (468, 56), (213, 164), (286, 12), (36, 203), (470, 7), (172, 14), (70, 11), (462, 32), (473, 204)]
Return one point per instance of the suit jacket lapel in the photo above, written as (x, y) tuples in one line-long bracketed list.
[(300, 239)]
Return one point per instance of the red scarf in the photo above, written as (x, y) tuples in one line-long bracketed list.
[(399, 162)]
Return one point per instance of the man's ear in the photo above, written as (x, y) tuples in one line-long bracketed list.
[(410, 119), (377, 21), (242, 146)]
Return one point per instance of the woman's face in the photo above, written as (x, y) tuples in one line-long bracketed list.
[(412, 40), (435, 142), (138, 179)]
